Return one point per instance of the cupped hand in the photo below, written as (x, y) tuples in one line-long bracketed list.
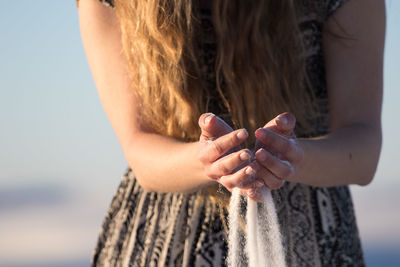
[(222, 158), (277, 151)]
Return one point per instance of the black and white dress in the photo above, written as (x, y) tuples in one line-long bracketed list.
[(175, 229)]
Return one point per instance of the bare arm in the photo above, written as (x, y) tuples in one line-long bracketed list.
[(354, 80), (160, 163), (349, 154)]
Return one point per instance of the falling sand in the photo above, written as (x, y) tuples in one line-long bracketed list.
[(263, 243)]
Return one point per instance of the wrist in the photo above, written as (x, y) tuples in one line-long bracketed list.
[(306, 165)]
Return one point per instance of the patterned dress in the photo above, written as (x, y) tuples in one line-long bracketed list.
[(176, 229)]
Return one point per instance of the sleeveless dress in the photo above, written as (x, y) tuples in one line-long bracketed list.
[(176, 229)]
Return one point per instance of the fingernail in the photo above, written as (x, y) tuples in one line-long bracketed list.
[(282, 119), (242, 134), (250, 171), (261, 132), (208, 118), (244, 156), (262, 154)]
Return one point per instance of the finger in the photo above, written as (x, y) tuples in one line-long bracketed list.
[(255, 182), (285, 147), (284, 124), (213, 126), (236, 179), (279, 168), (226, 165), (255, 194), (252, 183), (225, 143), (270, 179), (286, 121)]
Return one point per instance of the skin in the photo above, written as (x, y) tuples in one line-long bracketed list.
[(347, 155)]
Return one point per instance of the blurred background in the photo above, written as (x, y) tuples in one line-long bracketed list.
[(60, 161)]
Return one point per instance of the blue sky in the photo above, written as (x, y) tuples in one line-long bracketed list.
[(60, 161)]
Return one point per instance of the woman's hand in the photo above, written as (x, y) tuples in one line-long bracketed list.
[(277, 151), (223, 159)]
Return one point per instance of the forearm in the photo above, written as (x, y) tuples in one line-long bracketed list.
[(348, 155), (165, 164)]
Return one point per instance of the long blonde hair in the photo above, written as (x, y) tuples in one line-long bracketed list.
[(259, 59)]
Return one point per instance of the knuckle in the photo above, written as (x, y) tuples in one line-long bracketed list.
[(202, 157), (209, 172), (206, 152), (223, 169), (233, 140), (218, 147)]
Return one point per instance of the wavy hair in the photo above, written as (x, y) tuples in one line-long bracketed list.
[(260, 64)]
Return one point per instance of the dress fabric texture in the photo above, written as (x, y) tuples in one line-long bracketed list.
[(175, 229)]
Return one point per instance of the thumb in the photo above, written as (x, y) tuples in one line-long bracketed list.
[(213, 126), (283, 124)]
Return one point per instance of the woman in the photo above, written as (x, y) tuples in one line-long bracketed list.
[(161, 67)]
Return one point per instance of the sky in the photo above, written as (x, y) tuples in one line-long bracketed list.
[(60, 161)]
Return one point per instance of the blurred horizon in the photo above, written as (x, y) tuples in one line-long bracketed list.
[(61, 162)]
